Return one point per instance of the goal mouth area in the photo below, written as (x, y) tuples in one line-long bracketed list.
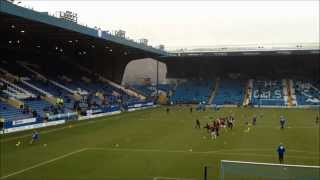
[(266, 171), (270, 164)]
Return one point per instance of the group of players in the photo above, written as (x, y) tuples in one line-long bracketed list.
[(228, 122), (282, 121), (214, 127)]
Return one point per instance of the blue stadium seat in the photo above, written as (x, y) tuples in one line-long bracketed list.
[(38, 105), (267, 93), (10, 113), (229, 92), (146, 90), (192, 92), (307, 92)]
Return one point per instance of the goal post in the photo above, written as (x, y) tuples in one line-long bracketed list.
[(266, 171)]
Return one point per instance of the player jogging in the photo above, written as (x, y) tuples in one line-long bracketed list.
[(282, 122), (207, 127), (213, 133), (216, 126), (198, 123), (281, 150), (230, 122), (34, 137), (254, 120)]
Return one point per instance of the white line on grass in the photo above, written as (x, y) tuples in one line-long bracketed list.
[(219, 152), (29, 135), (52, 130), (97, 120), (43, 163), (290, 127), (269, 150), (93, 121), (170, 178)]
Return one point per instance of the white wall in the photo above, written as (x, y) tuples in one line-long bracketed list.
[(144, 68)]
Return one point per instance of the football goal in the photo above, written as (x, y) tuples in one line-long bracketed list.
[(265, 171)]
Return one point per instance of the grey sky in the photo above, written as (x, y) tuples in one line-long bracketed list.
[(199, 23)]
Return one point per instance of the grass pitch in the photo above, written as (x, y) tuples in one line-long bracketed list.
[(154, 145)]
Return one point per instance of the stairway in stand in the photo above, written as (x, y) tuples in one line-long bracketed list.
[(116, 85), (215, 90), (292, 99), (248, 93)]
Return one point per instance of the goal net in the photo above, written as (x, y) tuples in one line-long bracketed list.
[(230, 170)]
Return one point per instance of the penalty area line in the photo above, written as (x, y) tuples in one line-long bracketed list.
[(233, 152), (43, 163)]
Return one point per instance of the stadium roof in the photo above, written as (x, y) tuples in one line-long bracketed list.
[(42, 24), (60, 34), (299, 50)]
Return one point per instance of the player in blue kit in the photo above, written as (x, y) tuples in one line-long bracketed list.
[(34, 137), (281, 150)]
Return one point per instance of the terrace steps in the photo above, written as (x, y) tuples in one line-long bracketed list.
[(8, 75), (44, 78), (248, 92), (17, 88), (47, 96), (62, 86), (128, 91), (286, 94), (13, 102), (35, 88), (215, 90), (291, 92), (49, 99), (109, 82), (40, 76)]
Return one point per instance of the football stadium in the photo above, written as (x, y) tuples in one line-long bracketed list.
[(70, 109)]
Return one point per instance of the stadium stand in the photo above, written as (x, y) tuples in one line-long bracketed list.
[(248, 92), (68, 68), (81, 83), (229, 92), (267, 93), (150, 90), (15, 91), (307, 92), (11, 113), (42, 94), (146, 90), (192, 91)]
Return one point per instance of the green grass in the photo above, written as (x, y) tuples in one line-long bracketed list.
[(155, 144)]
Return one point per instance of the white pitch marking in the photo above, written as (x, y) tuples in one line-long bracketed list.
[(43, 163), (170, 178), (296, 127), (53, 130), (219, 152), (28, 135)]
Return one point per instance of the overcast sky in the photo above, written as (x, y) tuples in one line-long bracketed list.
[(181, 24)]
